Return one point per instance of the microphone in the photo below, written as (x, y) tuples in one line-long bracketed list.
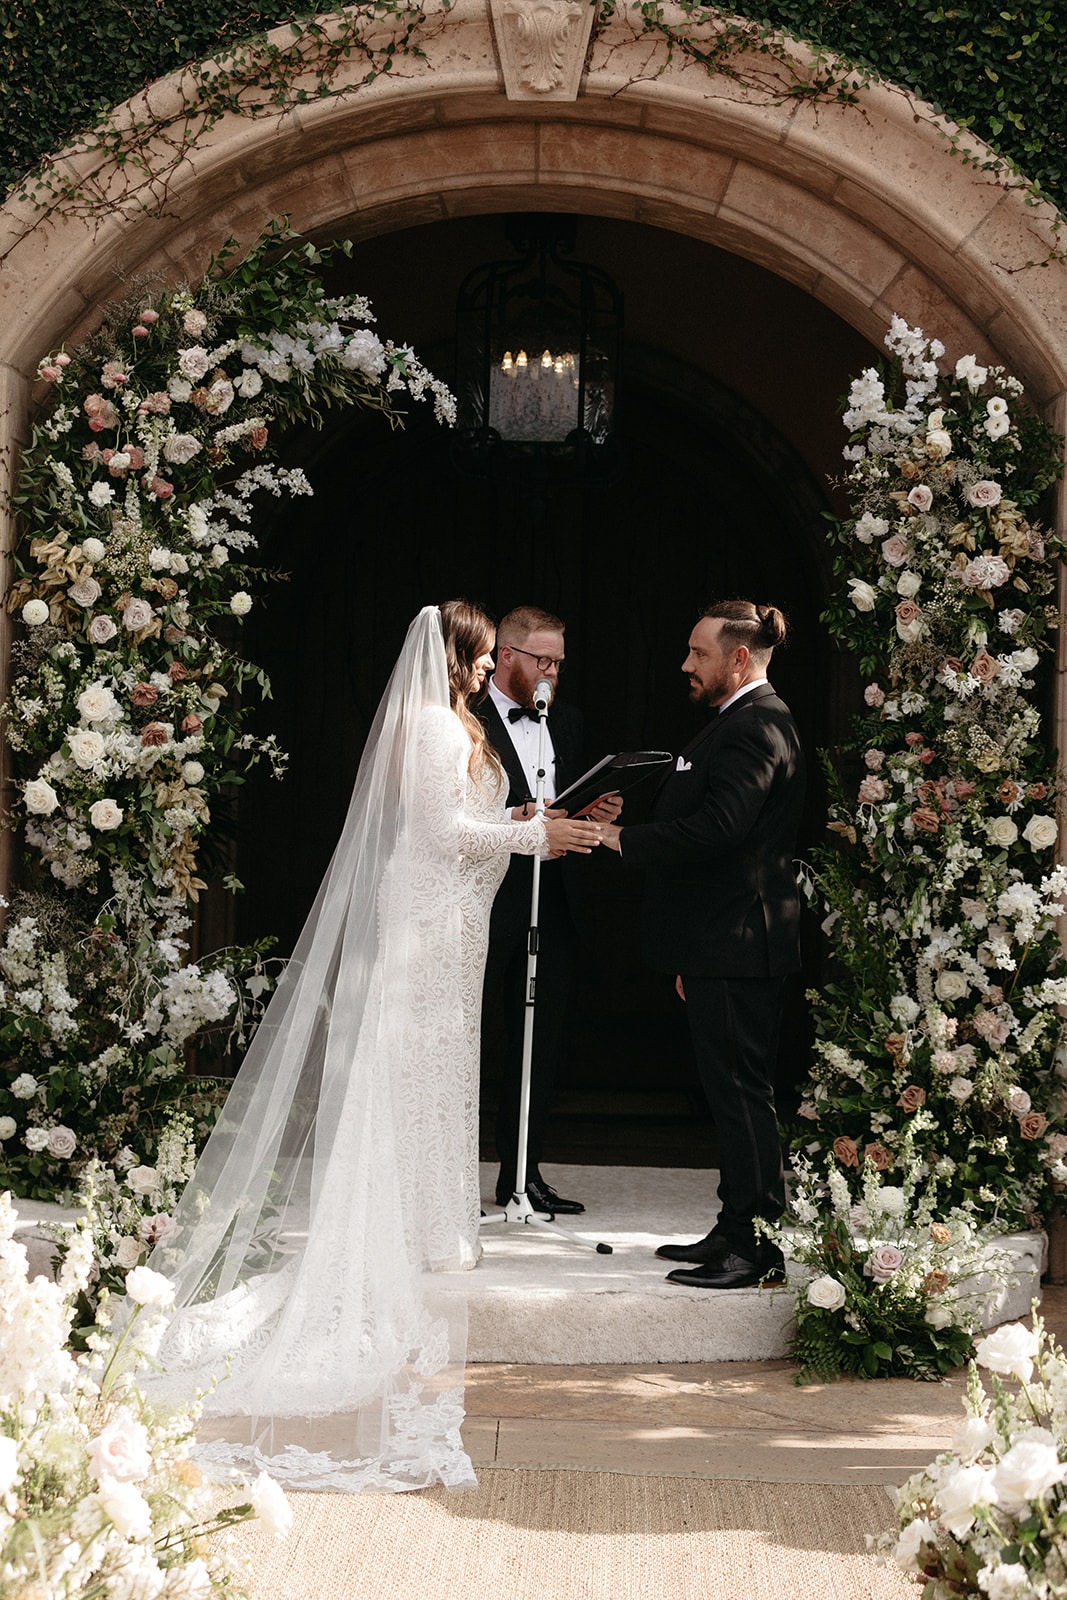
[(542, 696)]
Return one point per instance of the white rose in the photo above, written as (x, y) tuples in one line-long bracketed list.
[(959, 1494), (8, 1126), (826, 1293), (41, 799), (127, 1508), (1009, 1350), (192, 772), (143, 1180), (121, 1450), (241, 604), (180, 448), (938, 1317), (861, 594), (25, 1086), (129, 1253), (62, 1142), (908, 585), (86, 747), (93, 550), (271, 1506), (35, 1139), (1018, 1100), (149, 1288), (1040, 833), (97, 703), (34, 612), (972, 1438), (105, 814), (1001, 831), (101, 629), (938, 439), (86, 592), (911, 631), (1031, 1467), (137, 615), (961, 1089), (193, 361), (951, 985)]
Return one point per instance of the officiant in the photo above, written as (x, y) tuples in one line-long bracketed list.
[(530, 646)]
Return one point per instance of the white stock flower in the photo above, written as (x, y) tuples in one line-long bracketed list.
[(40, 798), (105, 814), (149, 1288), (34, 612), (271, 1506), (1009, 1350), (827, 1293)]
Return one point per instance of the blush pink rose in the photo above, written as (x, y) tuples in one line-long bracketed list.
[(895, 550), (921, 497), (984, 493)]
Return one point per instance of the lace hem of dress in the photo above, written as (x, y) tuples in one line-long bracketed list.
[(445, 1463)]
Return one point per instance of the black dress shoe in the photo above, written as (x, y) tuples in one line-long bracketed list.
[(703, 1251), (543, 1198), (729, 1272)]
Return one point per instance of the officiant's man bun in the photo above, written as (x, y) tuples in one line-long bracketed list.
[(759, 628)]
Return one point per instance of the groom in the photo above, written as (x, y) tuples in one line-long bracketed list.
[(723, 915), (530, 647)]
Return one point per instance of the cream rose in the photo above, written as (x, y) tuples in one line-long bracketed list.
[(40, 798), (1001, 831), (908, 585), (86, 747), (921, 497), (951, 985), (1040, 833), (97, 703), (149, 1288), (137, 615), (129, 1253), (105, 815), (827, 1293), (101, 630), (861, 594), (62, 1142)]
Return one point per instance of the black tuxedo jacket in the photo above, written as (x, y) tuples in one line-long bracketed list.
[(566, 727), (721, 892)]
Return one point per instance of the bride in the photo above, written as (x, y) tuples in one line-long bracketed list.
[(343, 1168)]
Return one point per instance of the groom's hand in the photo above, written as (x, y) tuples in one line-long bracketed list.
[(607, 808), (609, 835)]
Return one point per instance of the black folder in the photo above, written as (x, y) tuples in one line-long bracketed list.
[(613, 775)]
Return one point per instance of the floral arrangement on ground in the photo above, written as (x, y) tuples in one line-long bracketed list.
[(135, 502), (989, 1517), (940, 1053), (98, 1494)]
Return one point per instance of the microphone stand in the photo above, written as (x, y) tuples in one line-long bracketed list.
[(518, 1208)]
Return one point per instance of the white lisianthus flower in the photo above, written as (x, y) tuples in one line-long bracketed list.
[(97, 703), (861, 594), (1009, 1350), (997, 425), (271, 1506), (93, 550), (249, 383), (86, 747), (40, 798), (105, 814), (969, 372), (101, 495), (192, 772), (8, 1126), (951, 985), (1001, 831), (1040, 833), (25, 1086), (827, 1293), (120, 1451), (908, 585), (241, 603), (34, 612), (149, 1288)]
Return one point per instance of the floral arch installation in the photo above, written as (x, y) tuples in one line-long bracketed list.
[(865, 207)]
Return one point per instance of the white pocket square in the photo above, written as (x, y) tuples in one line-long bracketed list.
[(683, 765)]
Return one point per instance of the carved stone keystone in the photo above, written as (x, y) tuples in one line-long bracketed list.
[(542, 46)]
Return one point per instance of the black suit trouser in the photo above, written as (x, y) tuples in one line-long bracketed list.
[(734, 1024), (505, 976)]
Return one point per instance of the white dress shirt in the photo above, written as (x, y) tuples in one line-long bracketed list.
[(525, 736)]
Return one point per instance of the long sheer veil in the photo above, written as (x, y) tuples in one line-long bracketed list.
[(293, 1260)]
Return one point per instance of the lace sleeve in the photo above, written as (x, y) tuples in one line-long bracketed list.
[(440, 804)]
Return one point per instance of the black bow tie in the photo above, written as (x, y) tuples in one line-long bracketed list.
[(516, 713)]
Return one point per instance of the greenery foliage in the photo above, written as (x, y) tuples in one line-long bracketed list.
[(1000, 72)]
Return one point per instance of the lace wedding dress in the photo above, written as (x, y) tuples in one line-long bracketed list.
[(343, 1170)]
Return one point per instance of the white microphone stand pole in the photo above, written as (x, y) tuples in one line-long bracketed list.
[(518, 1208)]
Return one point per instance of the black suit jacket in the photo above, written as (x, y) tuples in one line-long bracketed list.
[(721, 891), (566, 727)]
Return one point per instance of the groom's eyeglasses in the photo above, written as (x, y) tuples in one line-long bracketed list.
[(543, 662)]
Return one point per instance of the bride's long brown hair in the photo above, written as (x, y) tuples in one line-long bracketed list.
[(468, 634)]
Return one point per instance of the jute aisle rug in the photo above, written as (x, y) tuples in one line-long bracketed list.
[(546, 1534)]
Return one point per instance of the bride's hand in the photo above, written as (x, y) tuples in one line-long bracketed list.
[(568, 833)]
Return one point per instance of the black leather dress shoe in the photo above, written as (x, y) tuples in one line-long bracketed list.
[(543, 1198), (703, 1251), (728, 1272)]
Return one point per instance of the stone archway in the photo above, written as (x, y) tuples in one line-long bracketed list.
[(863, 207)]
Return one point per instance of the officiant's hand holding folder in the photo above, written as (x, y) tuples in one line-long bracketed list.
[(612, 775)]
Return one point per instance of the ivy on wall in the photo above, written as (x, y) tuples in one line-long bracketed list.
[(63, 63)]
